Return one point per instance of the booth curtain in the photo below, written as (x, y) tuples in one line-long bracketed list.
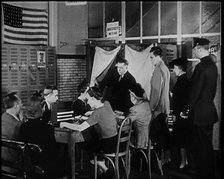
[(140, 66), (102, 59)]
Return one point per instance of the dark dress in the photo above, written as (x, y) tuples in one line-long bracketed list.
[(38, 132), (181, 127), (80, 108)]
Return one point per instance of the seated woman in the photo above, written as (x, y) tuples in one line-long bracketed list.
[(104, 122), (36, 131), (80, 106), (140, 114)]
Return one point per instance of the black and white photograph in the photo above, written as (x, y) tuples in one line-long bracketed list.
[(111, 90)]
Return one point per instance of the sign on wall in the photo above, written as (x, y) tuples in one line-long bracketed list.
[(41, 59), (113, 29)]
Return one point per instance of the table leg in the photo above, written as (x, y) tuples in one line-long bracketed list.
[(72, 150)]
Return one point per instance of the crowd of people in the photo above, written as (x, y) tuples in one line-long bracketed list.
[(192, 104)]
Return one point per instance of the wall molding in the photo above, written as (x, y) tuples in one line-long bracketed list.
[(69, 56)]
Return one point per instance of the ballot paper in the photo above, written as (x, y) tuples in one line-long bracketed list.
[(193, 59), (81, 117)]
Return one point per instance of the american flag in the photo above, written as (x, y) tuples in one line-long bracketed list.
[(25, 26)]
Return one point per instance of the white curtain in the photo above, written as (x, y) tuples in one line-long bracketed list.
[(140, 66), (102, 59)]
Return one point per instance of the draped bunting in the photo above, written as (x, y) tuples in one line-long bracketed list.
[(102, 59), (140, 66)]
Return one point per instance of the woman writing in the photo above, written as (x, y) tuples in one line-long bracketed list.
[(104, 122)]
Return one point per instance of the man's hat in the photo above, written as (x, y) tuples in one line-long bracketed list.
[(200, 41)]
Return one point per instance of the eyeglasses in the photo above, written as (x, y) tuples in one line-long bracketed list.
[(47, 92)]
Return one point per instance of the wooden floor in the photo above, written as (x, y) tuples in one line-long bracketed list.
[(171, 170)]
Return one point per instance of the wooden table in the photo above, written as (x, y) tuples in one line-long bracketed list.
[(70, 137)]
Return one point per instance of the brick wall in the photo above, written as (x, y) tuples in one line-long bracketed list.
[(71, 70)]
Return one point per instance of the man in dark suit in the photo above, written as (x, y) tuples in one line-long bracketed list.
[(50, 95), (201, 108), (118, 82)]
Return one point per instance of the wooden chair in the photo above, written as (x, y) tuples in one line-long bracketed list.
[(146, 153), (24, 168), (123, 142)]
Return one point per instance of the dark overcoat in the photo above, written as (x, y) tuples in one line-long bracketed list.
[(203, 89), (180, 94)]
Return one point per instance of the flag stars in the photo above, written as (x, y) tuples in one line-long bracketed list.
[(12, 16), (13, 20)]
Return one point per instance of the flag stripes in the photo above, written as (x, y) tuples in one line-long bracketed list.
[(22, 31), (25, 25)]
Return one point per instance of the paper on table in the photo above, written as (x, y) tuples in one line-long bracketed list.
[(66, 119), (193, 59), (120, 117), (81, 117)]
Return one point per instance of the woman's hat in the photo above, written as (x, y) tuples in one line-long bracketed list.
[(138, 90), (182, 62)]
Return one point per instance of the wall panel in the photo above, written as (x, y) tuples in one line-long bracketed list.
[(20, 72)]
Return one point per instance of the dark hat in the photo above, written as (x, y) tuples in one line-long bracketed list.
[(179, 62), (138, 90), (156, 48), (200, 41), (82, 86)]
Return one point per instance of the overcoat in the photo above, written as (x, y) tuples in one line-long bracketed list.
[(10, 130), (202, 93)]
